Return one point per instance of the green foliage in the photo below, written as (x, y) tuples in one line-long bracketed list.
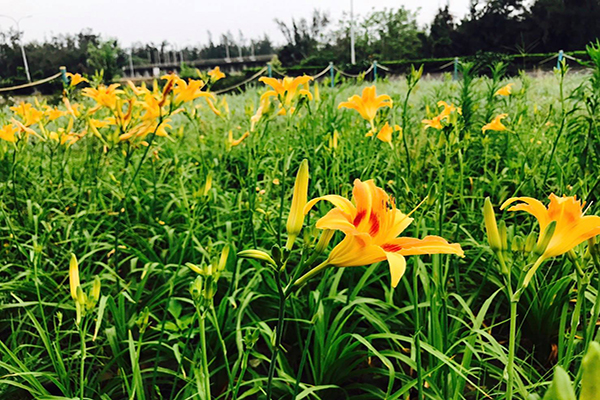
[(105, 56), (172, 307)]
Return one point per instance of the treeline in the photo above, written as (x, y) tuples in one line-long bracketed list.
[(87, 52), (491, 27)]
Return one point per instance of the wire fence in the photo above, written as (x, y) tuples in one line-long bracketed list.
[(269, 69), (31, 84)]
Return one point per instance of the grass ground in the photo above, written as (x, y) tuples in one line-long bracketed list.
[(136, 216)]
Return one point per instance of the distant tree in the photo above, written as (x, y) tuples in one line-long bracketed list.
[(442, 34), (564, 24), (108, 57), (302, 37), (392, 34), (493, 25)]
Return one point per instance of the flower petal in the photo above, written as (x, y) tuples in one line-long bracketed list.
[(397, 266)]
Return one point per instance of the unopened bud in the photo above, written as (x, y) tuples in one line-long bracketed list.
[(530, 242), (324, 240), (95, 294), (223, 259), (257, 255), (299, 200), (517, 244), (590, 380), (491, 227), (503, 236), (196, 268), (544, 241), (74, 276)]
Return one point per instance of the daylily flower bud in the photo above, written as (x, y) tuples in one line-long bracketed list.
[(590, 380), (257, 255), (223, 260), (95, 294), (74, 276), (491, 226), (196, 288), (530, 242), (503, 236), (195, 268), (207, 184), (517, 244), (324, 240), (545, 239), (561, 386), (299, 200)]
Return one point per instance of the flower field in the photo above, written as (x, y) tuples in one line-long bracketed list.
[(401, 239)]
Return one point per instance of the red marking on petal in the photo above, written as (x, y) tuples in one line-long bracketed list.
[(391, 248), (359, 217), (374, 225)]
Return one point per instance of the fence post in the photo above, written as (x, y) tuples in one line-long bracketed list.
[(63, 75), (270, 70), (561, 55), (332, 73), (375, 71), (455, 72)]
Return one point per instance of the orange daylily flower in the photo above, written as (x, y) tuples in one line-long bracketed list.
[(216, 74), (104, 95), (234, 142), (495, 125), (368, 104), (286, 89), (76, 79), (54, 113), (189, 91), (29, 114), (572, 227), (435, 122), (372, 224), (72, 109), (385, 134), (505, 90), (8, 133), (448, 109)]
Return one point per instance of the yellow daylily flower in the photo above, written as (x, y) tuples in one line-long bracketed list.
[(25, 129), (435, 122), (29, 114), (234, 142), (138, 90), (71, 108), (216, 74), (189, 91), (572, 227), (505, 90), (54, 113), (368, 104), (264, 104), (495, 125), (286, 89), (448, 109), (8, 133), (76, 79), (372, 224), (105, 96), (385, 134)]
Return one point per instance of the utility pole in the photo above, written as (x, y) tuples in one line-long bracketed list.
[(131, 62), (352, 54), (20, 42)]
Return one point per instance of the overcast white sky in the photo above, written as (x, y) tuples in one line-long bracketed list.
[(185, 22)]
